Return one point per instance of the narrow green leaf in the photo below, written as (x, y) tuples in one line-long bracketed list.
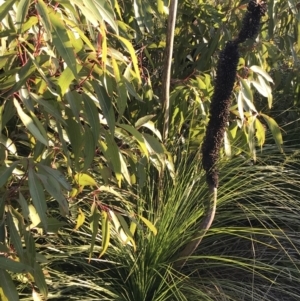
[(94, 226), (148, 224), (131, 51), (38, 196), (112, 154), (267, 89), (8, 143), (8, 287), (88, 148), (6, 173), (122, 91), (48, 106), (106, 105), (92, 114), (5, 8), (24, 206), (62, 42), (29, 124), (15, 236), (260, 132), (22, 13), (275, 130), (122, 236), (39, 279), (44, 17), (57, 175), (75, 135), (124, 169), (81, 34), (132, 228), (128, 233), (137, 136), (107, 14), (90, 4), (151, 126), (13, 266), (143, 120), (251, 137), (247, 93), (105, 232), (154, 146), (51, 184), (30, 248)]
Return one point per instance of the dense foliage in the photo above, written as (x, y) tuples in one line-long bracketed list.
[(94, 205)]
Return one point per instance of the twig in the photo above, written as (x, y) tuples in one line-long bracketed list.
[(167, 66)]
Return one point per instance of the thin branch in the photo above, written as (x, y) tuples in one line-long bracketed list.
[(167, 66)]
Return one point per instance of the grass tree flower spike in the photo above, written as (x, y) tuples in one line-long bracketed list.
[(219, 112)]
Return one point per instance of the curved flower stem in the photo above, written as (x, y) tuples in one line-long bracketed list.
[(203, 227)]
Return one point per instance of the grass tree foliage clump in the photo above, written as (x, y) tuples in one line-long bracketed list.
[(81, 152)]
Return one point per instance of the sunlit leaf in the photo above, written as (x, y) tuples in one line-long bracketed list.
[(260, 132), (80, 219), (83, 179), (22, 10), (247, 93), (105, 232), (137, 136), (130, 48), (29, 124), (148, 224), (262, 72), (4, 8), (42, 10), (94, 226), (127, 231)]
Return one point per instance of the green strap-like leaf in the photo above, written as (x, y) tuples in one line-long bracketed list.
[(43, 11), (15, 236), (137, 136), (39, 279), (22, 12), (105, 232), (106, 105), (84, 180), (30, 248), (8, 287), (38, 196), (148, 224), (92, 115), (94, 225), (13, 266), (80, 219), (29, 124), (275, 130), (6, 172), (62, 41)]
